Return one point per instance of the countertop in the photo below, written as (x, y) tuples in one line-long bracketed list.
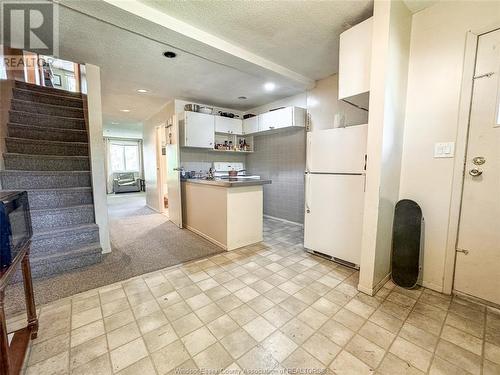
[(229, 182)]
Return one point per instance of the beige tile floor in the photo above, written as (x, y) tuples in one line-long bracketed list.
[(270, 306)]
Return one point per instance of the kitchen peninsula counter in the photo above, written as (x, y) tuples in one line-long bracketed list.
[(227, 212), (229, 182)]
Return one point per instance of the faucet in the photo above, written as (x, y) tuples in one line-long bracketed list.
[(211, 173)]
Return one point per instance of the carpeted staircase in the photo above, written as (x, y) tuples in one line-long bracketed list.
[(48, 155)]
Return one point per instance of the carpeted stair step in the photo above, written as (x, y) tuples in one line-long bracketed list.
[(39, 147), (27, 180), (53, 198), (64, 262), (41, 120), (63, 240), (46, 133), (46, 98), (46, 109), (28, 162), (51, 218), (59, 263), (47, 90)]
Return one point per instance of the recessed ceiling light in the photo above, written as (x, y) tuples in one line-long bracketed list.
[(242, 97), (269, 86), (125, 110), (114, 123), (169, 54), (142, 91)]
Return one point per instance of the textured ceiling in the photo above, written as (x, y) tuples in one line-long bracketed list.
[(129, 61), (300, 35)]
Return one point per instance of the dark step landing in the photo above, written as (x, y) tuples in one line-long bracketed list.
[(28, 180), (64, 240), (46, 133), (46, 98), (39, 147), (53, 198), (50, 121), (28, 162), (57, 218), (46, 109), (47, 90)]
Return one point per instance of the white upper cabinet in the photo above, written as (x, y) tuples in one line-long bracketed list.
[(251, 125), (228, 125), (282, 118), (197, 130), (354, 63)]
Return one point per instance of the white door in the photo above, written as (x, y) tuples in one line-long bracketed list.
[(477, 268), (280, 118), (228, 125), (333, 222), (199, 130), (341, 150), (251, 125), (173, 174)]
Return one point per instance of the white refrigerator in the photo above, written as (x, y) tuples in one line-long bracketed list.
[(334, 189)]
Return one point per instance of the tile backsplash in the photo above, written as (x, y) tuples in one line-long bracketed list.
[(281, 157), (200, 160)]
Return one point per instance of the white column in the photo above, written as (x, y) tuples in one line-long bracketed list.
[(97, 153)]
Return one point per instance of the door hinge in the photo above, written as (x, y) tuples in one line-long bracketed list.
[(485, 75), (466, 252)]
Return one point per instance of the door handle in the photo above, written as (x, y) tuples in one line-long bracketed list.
[(474, 172)]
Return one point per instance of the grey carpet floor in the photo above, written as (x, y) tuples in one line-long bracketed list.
[(142, 241)]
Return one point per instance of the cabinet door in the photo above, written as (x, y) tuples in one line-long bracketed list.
[(354, 59), (199, 130), (228, 125), (280, 118), (251, 125)]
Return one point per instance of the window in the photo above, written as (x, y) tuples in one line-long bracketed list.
[(124, 157)]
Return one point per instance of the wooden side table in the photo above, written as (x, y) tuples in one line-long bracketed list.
[(12, 356)]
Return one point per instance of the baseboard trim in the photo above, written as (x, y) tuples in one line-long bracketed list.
[(371, 291), (435, 287), (210, 239), (283, 220), (154, 209), (475, 299)]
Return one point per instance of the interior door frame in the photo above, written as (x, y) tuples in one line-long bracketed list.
[(160, 176), (465, 105)]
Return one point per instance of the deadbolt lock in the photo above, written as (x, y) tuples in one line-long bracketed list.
[(479, 160)]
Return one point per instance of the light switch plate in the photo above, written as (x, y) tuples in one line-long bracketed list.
[(444, 149)]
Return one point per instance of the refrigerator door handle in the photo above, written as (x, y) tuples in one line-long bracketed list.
[(308, 189), (308, 152)]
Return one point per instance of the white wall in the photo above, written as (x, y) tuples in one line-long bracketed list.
[(123, 131), (323, 104), (149, 153), (388, 84), (97, 154), (432, 109)]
